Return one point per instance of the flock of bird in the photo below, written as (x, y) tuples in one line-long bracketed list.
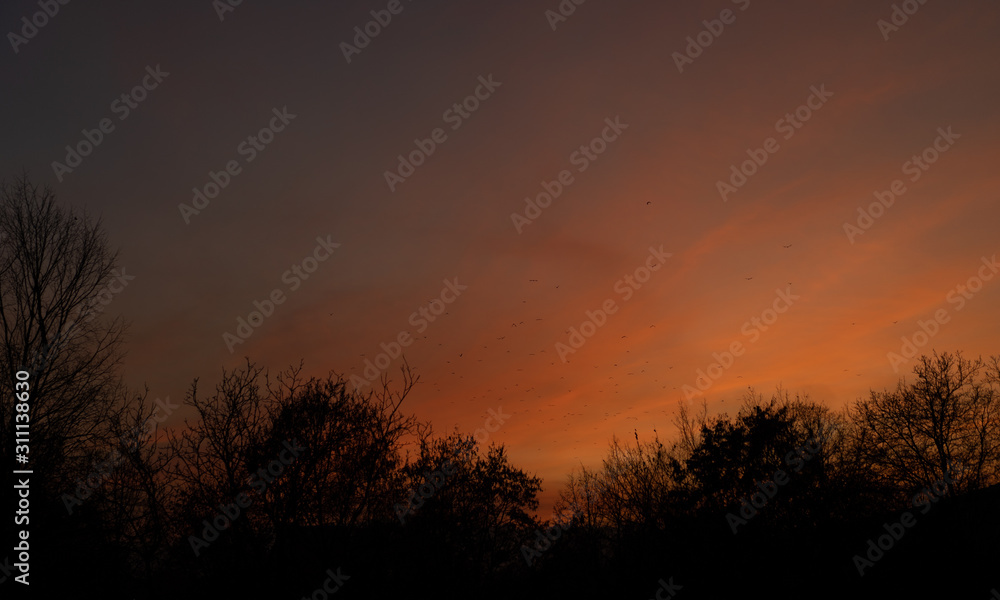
[(551, 387)]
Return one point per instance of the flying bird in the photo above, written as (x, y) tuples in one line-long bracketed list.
[(787, 246)]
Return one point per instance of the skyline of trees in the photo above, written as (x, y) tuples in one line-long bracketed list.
[(276, 477)]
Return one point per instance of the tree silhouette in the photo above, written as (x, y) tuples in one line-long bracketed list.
[(945, 423), (53, 266), (135, 504), (475, 504), (212, 455), (364, 484), (351, 474)]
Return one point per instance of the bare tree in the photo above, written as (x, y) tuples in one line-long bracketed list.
[(301, 453), (53, 265), (630, 491), (211, 456), (350, 476), (135, 502), (946, 424), (689, 427), (582, 499)]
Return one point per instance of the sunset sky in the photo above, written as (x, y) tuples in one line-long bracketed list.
[(872, 102)]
